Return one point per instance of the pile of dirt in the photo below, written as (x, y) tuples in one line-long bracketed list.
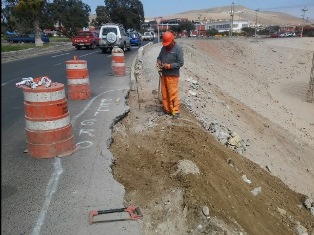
[(240, 160)]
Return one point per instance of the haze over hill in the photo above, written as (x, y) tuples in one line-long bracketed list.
[(240, 12)]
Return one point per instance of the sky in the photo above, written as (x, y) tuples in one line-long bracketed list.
[(160, 8)]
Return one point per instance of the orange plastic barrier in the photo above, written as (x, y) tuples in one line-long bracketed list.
[(118, 61), (78, 79), (48, 125)]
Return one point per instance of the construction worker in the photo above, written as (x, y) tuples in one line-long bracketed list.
[(170, 60)]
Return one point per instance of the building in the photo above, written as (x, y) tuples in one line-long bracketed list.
[(224, 25)]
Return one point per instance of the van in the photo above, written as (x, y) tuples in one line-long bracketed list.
[(113, 35)]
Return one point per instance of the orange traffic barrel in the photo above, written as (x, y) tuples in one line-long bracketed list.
[(78, 79), (118, 61), (48, 125)]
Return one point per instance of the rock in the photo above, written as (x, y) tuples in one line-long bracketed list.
[(282, 212), (300, 229), (193, 93), (308, 203), (246, 180), (256, 191), (205, 210), (235, 141)]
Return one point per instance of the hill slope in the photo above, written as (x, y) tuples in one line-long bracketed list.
[(219, 13), (176, 168)]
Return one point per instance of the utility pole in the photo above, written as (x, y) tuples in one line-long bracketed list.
[(257, 10), (199, 25), (158, 20), (231, 18), (303, 16)]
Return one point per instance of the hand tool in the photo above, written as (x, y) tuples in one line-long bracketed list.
[(134, 212), (160, 77)]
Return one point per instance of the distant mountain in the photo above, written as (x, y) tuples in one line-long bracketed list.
[(240, 12)]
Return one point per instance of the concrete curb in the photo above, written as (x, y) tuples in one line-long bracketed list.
[(138, 59)]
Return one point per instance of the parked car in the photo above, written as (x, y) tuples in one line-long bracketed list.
[(274, 35), (26, 38), (147, 36), (135, 38), (87, 39), (282, 35), (113, 35)]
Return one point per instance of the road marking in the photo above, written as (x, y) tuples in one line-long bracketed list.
[(54, 56), (8, 82), (88, 54), (50, 191), (58, 170)]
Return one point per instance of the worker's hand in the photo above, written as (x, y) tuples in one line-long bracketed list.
[(158, 65), (166, 66)]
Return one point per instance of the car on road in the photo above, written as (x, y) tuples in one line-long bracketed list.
[(113, 35), (26, 38), (147, 36), (87, 39), (135, 38)]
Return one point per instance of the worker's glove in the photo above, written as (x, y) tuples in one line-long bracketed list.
[(158, 65), (166, 66)]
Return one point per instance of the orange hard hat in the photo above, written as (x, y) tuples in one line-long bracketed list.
[(167, 38)]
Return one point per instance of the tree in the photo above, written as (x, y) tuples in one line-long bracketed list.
[(186, 25), (7, 19), (175, 28), (102, 16), (72, 15), (249, 31), (211, 32), (130, 13), (28, 14)]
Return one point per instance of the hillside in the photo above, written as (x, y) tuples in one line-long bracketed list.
[(240, 158), (263, 17)]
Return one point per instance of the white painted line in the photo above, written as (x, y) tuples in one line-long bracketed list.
[(50, 191), (58, 170), (8, 82), (60, 55)]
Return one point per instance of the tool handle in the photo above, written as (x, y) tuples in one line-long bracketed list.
[(111, 211)]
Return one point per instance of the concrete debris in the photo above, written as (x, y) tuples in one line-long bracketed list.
[(193, 93), (309, 204), (256, 191), (246, 180), (300, 229), (185, 167)]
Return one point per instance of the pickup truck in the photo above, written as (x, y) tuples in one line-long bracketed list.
[(147, 36), (87, 39), (26, 38)]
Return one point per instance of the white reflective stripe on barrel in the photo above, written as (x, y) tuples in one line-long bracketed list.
[(44, 96), (117, 54), (76, 66), (114, 64), (78, 81), (47, 125)]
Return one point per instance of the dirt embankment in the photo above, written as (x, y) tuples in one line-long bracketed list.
[(241, 158)]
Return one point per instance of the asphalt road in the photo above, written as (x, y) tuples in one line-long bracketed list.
[(54, 196)]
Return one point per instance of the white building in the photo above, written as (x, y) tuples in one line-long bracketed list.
[(224, 25)]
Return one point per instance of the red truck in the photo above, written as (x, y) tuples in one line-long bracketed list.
[(87, 39)]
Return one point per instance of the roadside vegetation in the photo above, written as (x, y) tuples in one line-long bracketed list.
[(6, 47)]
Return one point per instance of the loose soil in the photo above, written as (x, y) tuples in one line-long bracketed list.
[(185, 176)]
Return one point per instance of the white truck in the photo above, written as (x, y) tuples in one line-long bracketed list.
[(147, 36)]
